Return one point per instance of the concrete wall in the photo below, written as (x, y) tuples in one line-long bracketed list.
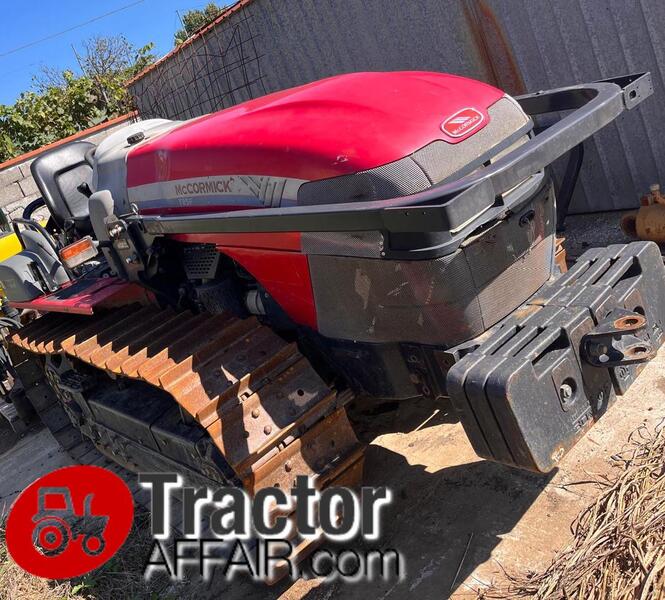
[(18, 189), (268, 45)]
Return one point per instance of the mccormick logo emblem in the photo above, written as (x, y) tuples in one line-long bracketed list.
[(462, 122)]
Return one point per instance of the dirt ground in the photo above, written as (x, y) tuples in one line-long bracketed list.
[(458, 521)]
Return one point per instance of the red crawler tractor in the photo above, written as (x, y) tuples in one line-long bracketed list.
[(211, 293)]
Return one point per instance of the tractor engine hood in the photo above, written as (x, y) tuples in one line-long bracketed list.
[(355, 137)]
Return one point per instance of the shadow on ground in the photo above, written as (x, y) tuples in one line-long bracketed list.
[(444, 523), (444, 520)]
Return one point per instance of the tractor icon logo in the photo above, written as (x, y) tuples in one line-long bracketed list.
[(57, 524), (69, 522)]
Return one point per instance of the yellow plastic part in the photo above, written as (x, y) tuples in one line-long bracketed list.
[(9, 245)]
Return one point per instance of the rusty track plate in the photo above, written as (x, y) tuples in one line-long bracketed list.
[(262, 403)]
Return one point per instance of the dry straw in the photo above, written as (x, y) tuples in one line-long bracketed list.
[(618, 546)]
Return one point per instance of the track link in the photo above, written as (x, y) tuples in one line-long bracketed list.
[(262, 403)]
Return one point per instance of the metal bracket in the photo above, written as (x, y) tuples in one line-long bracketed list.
[(622, 338), (635, 88), (76, 382)]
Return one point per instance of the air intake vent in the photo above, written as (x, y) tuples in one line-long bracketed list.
[(201, 261)]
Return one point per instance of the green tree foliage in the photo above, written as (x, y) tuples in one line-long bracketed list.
[(63, 103), (193, 20)]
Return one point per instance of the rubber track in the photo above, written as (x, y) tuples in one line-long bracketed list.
[(262, 403)]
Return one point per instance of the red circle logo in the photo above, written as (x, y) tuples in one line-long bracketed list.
[(69, 522)]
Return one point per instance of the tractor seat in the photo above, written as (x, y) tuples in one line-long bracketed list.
[(58, 173)]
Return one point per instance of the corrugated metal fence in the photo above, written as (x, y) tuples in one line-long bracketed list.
[(558, 42), (517, 44)]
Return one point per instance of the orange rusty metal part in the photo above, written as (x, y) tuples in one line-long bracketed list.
[(350, 477), (262, 403), (647, 223), (315, 453)]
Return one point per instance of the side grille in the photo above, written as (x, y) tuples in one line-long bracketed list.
[(201, 261)]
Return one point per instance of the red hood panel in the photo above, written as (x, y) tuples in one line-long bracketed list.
[(331, 127)]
